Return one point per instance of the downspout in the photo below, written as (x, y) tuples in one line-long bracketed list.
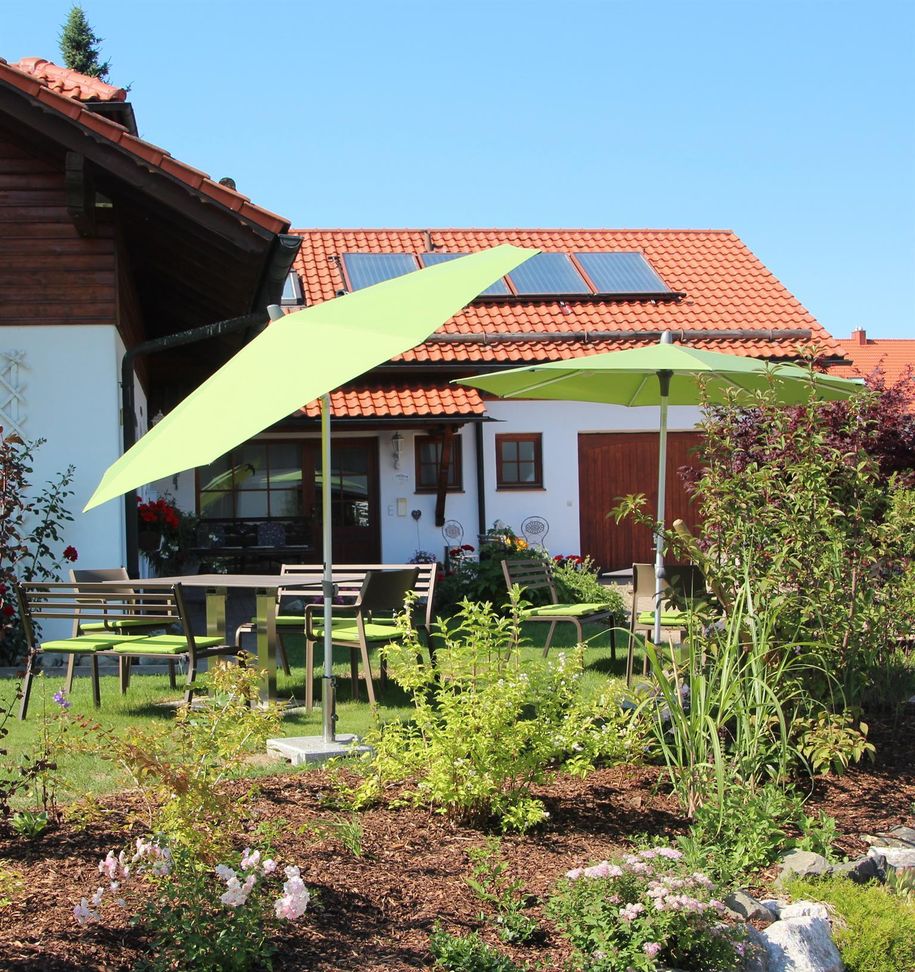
[(128, 402), (481, 479)]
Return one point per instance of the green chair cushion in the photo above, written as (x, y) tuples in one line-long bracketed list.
[(345, 630), (115, 625), (164, 645), (88, 643), (565, 610), (669, 619)]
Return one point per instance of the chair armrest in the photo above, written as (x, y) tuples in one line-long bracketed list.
[(339, 610)]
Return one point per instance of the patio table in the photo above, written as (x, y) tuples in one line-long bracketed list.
[(265, 587)]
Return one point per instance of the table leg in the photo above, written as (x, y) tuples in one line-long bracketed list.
[(266, 643), (216, 612)]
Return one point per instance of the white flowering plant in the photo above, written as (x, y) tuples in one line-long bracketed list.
[(642, 912), (198, 918)]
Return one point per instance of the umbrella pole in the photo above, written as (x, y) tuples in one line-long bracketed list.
[(328, 686), (664, 381)]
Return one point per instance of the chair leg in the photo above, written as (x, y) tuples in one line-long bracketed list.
[(71, 670), (27, 685), (367, 672), (96, 688), (630, 656), (309, 675), (549, 638), (579, 630), (613, 642), (281, 655), (189, 684), (172, 681), (354, 673), (123, 673)]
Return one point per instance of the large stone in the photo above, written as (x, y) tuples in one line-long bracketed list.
[(801, 945), (898, 858), (756, 956), (897, 837), (862, 870), (799, 863), (743, 905), (804, 909)]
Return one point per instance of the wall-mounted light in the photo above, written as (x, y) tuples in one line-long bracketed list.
[(396, 449)]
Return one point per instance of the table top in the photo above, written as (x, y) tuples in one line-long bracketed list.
[(257, 581)]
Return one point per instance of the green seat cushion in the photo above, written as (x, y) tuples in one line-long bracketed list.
[(115, 625), (565, 610), (346, 630), (669, 619), (164, 645), (88, 643)]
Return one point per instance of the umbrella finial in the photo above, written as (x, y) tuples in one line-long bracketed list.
[(667, 337)]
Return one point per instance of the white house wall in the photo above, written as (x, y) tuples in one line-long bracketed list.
[(560, 424)]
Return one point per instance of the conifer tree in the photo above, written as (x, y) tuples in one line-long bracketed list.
[(79, 46)]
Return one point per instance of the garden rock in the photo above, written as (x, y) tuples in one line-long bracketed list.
[(801, 945), (898, 858), (897, 837), (799, 863), (863, 869), (756, 958), (743, 905), (804, 909), (774, 905)]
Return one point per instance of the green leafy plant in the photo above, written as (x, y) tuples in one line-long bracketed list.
[(467, 953), (346, 831), (644, 911), (483, 728), (196, 917), (577, 581), (179, 769), (832, 741), (490, 882), (875, 929), (29, 824), (11, 884), (818, 834)]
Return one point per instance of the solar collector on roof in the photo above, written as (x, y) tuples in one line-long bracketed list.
[(366, 269), (621, 273), (498, 289), (548, 274)]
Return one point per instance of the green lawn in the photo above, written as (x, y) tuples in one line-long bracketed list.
[(150, 701)]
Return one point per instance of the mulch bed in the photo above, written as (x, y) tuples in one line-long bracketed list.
[(375, 912)]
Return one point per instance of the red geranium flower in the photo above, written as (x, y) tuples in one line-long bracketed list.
[(70, 554), (8, 610)]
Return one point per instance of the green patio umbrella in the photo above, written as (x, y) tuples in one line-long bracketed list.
[(299, 358), (661, 375)]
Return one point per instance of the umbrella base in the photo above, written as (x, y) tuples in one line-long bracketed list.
[(313, 749)]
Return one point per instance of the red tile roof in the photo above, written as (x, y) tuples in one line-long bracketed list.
[(895, 357), (69, 83), (727, 289), (420, 401), (144, 153)]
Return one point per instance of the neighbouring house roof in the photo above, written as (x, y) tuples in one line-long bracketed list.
[(69, 83), (725, 289), (895, 357), (412, 401), (66, 93)]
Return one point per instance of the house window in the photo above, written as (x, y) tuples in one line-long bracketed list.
[(519, 461), (428, 457), (258, 480)]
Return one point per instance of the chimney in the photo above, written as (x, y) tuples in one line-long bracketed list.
[(859, 336)]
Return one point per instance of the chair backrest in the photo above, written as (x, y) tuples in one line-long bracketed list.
[(535, 529), (424, 589), (97, 575), (529, 575), (384, 591), (683, 584), (101, 602)]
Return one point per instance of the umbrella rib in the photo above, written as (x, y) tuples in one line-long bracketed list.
[(638, 390), (564, 376)]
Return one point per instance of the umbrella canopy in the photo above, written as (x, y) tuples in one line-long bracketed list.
[(661, 375), (301, 357)]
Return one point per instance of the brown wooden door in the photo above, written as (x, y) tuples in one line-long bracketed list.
[(355, 503), (611, 465)]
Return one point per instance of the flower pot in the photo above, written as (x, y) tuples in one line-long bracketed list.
[(149, 540)]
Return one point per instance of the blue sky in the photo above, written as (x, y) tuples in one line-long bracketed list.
[(791, 123)]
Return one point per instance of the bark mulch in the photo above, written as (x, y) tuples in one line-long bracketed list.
[(374, 912)]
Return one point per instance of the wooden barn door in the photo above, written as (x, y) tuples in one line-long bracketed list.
[(611, 465)]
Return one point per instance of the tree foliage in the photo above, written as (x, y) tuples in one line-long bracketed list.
[(79, 46)]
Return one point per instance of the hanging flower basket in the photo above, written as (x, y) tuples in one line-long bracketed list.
[(149, 540)]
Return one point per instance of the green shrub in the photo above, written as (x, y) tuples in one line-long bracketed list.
[(484, 729), (642, 912), (577, 581), (467, 953), (876, 932)]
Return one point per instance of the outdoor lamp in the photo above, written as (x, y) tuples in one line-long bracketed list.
[(396, 449)]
